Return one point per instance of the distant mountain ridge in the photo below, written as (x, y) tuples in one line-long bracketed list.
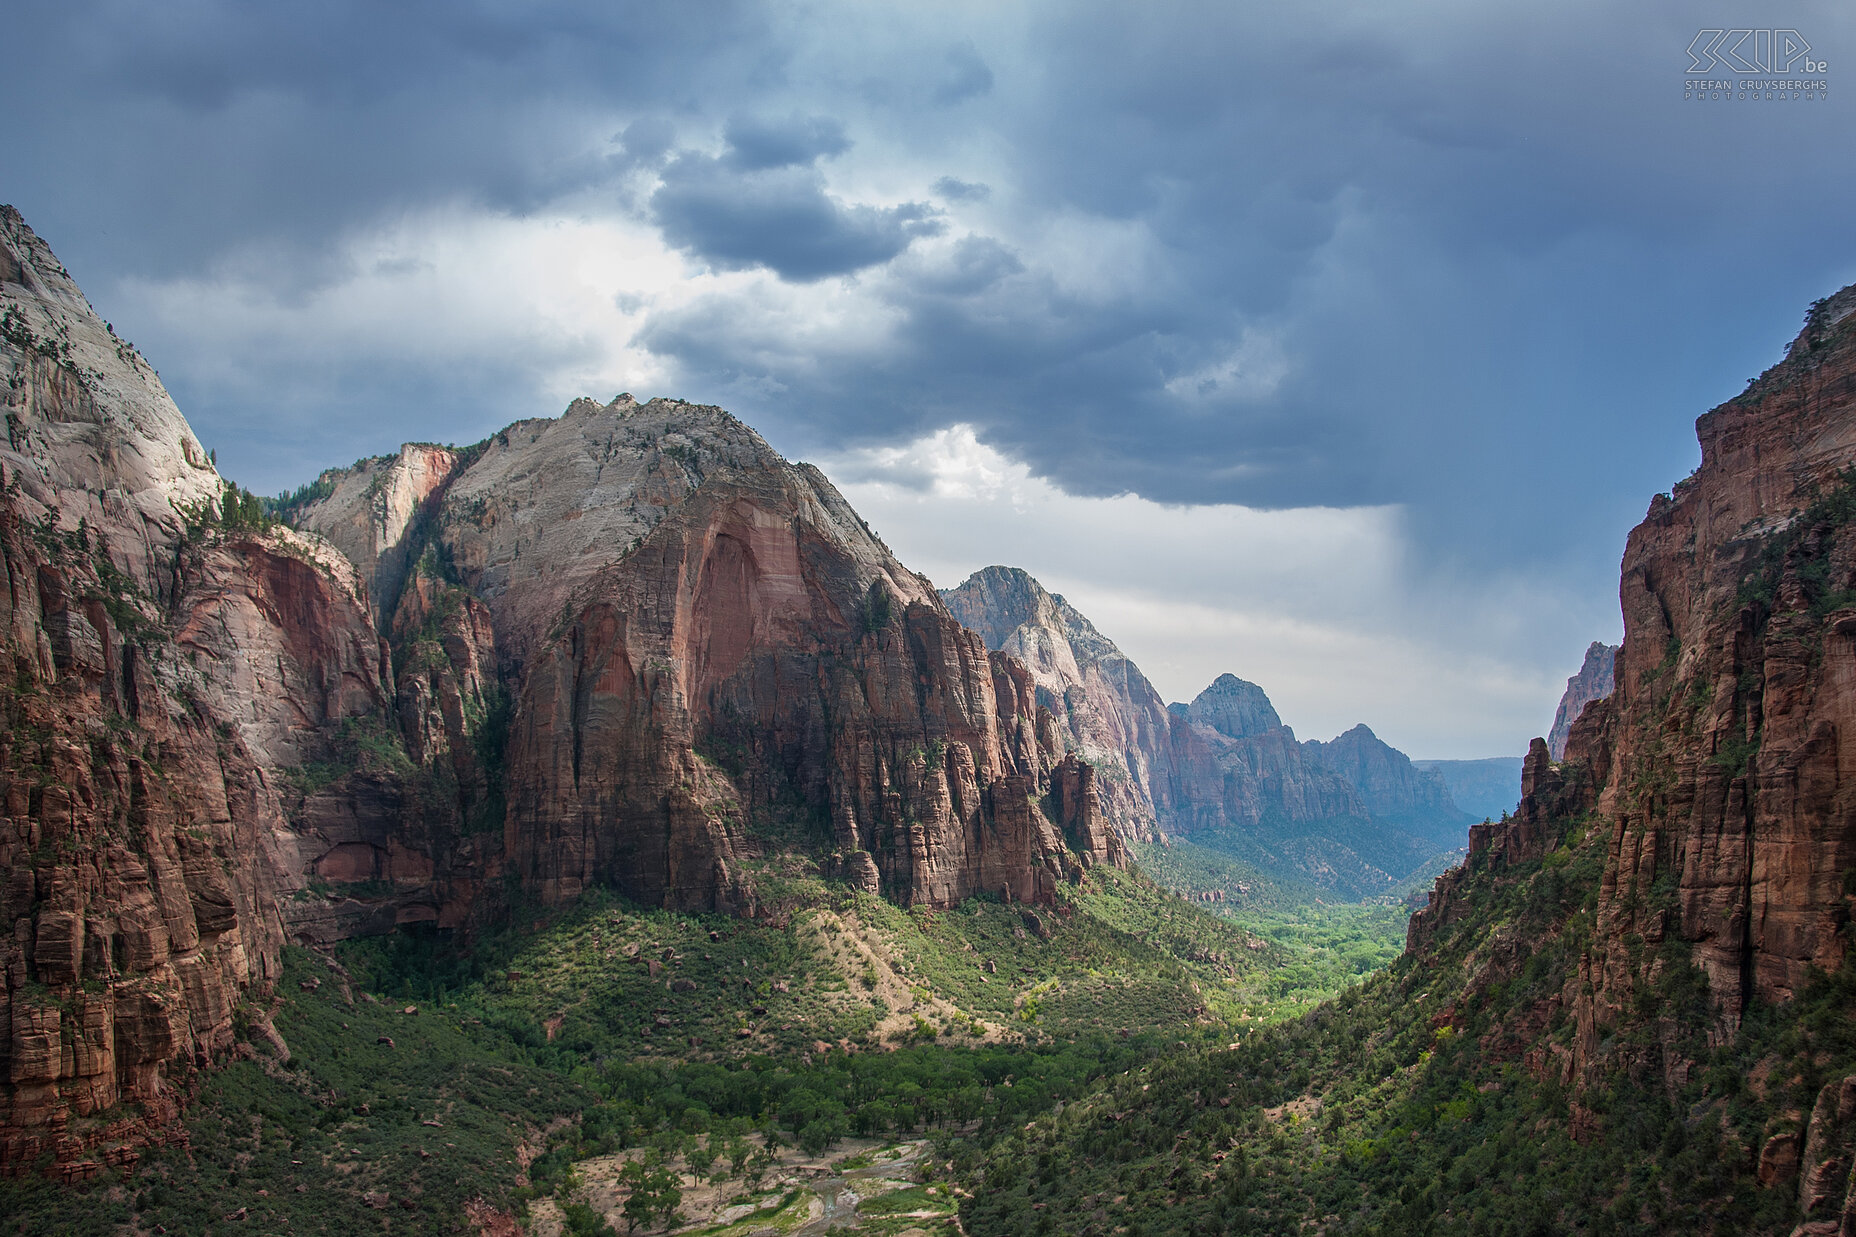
[(1352, 815), (1484, 788), (1392, 787)]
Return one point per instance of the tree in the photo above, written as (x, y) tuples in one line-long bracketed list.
[(738, 1150), (701, 1158), (654, 1194)]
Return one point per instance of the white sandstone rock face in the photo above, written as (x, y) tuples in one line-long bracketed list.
[(91, 434), (552, 502), (373, 513)]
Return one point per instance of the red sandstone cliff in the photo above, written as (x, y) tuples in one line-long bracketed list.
[(760, 671), (1735, 711), (1110, 715), (158, 677), (1719, 773)]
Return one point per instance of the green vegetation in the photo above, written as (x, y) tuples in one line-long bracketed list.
[(350, 1135), (1406, 1105), (692, 1044), (236, 510)]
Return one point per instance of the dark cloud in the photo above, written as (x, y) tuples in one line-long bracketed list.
[(755, 144), (975, 264), (1501, 264), (962, 190), (779, 217), (964, 75)]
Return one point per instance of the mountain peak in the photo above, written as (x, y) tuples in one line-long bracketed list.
[(1234, 707)]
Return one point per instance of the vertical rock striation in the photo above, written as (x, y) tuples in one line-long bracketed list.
[(155, 677), (1717, 776)]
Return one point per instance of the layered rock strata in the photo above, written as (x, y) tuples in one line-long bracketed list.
[(156, 675), (1717, 775), (1110, 715)]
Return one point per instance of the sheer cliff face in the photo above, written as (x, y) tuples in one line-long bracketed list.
[(156, 681), (1593, 682), (1735, 711), (761, 668), (1720, 769)]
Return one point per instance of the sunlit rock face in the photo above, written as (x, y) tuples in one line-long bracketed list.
[(1108, 712), (1735, 710)]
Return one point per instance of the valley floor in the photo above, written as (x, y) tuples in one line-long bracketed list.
[(827, 1050)]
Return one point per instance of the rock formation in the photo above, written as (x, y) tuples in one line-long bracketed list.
[(1110, 714), (1716, 777), (161, 670), (629, 645), (1732, 726), (1593, 682)]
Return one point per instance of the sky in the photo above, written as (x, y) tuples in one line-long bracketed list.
[(1335, 346)]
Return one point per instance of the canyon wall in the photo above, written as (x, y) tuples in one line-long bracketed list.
[(161, 675), (1719, 777)]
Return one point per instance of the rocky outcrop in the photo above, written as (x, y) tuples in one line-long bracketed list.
[(159, 669), (1735, 708), (546, 506), (373, 511), (1550, 795), (1715, 776), (759, 671), (1593, 682)]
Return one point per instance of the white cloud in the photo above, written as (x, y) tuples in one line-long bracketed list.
[(1318, 604)]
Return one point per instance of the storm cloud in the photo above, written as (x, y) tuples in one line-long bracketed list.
[(1480, 267)]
